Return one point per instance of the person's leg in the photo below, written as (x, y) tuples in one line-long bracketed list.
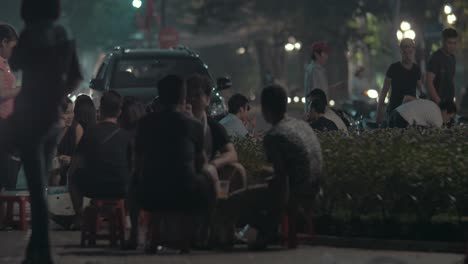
[(204, 199), (236, 175), (212, 173), (134, 213), (38, 250), (76, 196)]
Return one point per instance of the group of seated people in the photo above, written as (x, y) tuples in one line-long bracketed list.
[(173, 159)]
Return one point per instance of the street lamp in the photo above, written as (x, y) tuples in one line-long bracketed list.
[(451, 19), (448, 9), (241, 50), (298, 45), (289, 47), (399, 35), (292, 44), (410, 34), (405, 26), (137, 3), (296, 99), (405, 31)]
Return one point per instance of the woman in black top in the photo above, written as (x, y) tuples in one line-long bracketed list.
[(85, 111), (68, 140)]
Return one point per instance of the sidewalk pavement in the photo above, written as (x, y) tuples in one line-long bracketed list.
[(67, 251)]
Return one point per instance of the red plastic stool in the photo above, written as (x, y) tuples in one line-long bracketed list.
[(289, 236), (10, 200), (114, 211)]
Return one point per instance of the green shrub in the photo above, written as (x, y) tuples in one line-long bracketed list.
[(388, 171)]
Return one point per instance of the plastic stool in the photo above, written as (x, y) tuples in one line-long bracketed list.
[(114, 211), (289, 236), (10, 198)]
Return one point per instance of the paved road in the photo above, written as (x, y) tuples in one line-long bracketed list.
[(67, 251)]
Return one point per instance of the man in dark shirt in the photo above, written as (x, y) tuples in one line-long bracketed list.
[(317, 116), (100, 166), (441, 68), (170, 157), (219, 149), (402, 78)]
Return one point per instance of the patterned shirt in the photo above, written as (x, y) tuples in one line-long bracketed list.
[(293, 142), (7, 82)]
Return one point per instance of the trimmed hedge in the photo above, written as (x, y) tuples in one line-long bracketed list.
[(390, 173)]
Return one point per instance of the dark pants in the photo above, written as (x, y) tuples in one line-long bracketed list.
[(397, 121)]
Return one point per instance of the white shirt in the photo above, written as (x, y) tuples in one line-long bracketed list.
[(315, 78), (331, 115), (421, 112)]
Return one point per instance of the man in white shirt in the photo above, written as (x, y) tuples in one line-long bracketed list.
[(238, 107), (425, 113)]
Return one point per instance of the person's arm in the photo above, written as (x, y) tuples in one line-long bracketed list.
[(431, 88), (79, 134), (383, 95), (419, 87), (6, 93), (432, 69), (227, 155)]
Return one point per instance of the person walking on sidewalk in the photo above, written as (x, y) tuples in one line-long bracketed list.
[(402, 79), (441, 68)]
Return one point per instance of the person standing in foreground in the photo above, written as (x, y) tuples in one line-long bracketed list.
[(402, 79), (8, 91), (441, 68), (47, 57)]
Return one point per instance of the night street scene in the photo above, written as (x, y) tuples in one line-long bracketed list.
[(234, 131)]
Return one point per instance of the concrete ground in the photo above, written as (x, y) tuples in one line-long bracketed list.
[(67, 251)]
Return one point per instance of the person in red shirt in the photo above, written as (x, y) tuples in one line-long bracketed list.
[(8, 90)]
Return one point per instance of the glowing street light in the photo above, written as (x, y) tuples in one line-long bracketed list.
[(409, 34), (296, 99), (137, 3), (332, 103), (303, 100), (451, 19), (297, 45), (448, 9), (399, 35), (241, 51), (289, 100), (289, 47), (373, 94), (405, 26)]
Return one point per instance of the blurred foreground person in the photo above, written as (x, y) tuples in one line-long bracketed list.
[(47, 58)]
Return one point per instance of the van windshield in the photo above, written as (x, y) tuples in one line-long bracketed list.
[(146, 72)]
